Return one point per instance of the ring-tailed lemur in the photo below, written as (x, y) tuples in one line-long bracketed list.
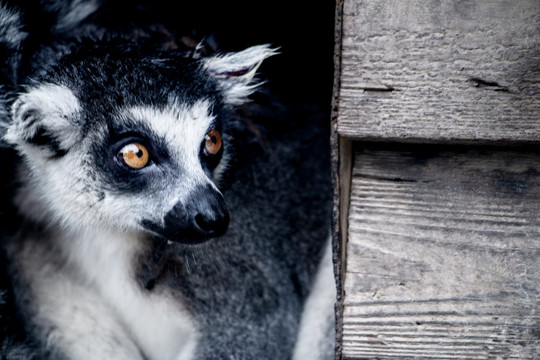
[(152, 224)]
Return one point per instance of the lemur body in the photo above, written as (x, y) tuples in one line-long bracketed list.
[(131, 160)]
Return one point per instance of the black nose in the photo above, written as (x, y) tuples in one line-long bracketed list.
[(207, 212), (214, 224), (201, 216)]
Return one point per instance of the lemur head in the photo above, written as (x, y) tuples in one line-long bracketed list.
[(115, 139)]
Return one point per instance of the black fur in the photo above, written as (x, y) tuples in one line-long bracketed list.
[(246, 288)]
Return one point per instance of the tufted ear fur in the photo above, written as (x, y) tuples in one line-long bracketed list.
[(46, 117), (235, 72)]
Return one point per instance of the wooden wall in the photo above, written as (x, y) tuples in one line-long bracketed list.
[(437, 173)]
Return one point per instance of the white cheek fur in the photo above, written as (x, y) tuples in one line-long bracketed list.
[(86, 203), (183, 128)]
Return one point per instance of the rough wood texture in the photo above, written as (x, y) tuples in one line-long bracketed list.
[(341, 179), (445, 71), (443, 259)]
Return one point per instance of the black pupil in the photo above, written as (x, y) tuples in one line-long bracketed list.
[(214, 139), (140, 153)]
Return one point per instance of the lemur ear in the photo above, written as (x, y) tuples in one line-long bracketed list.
[(235, 72), (45, 117)]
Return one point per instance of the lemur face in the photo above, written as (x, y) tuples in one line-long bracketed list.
[(162, 160), (132, 143)]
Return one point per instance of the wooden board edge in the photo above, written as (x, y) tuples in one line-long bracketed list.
[(341, 164)]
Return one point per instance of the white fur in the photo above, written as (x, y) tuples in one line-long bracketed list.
[(51, 107), (156, 322), (82, 281), (55, 109), (80, 272), (181, 126), (316, 336), (92, 296), (236, 89), (185, 128), (71, 197)]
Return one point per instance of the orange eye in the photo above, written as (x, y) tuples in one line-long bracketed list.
[(212, 142), (134, 155)]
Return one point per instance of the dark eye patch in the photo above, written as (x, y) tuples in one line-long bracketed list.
[(119, 178), (139, 132)]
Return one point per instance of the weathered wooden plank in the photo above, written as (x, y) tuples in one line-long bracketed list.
[(341, 179), (443, 258), (440, 70)]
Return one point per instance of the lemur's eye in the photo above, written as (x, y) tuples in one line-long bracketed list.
[(134, 155), (212, 142)]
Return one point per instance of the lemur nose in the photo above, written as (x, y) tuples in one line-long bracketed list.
[(213, 225), (208, 211), (200, 217)]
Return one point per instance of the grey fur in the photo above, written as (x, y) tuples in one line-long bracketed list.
[(90, 279)]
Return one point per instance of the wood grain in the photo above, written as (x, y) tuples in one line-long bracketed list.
[(443, 258), (441, 71), (341, 151)]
